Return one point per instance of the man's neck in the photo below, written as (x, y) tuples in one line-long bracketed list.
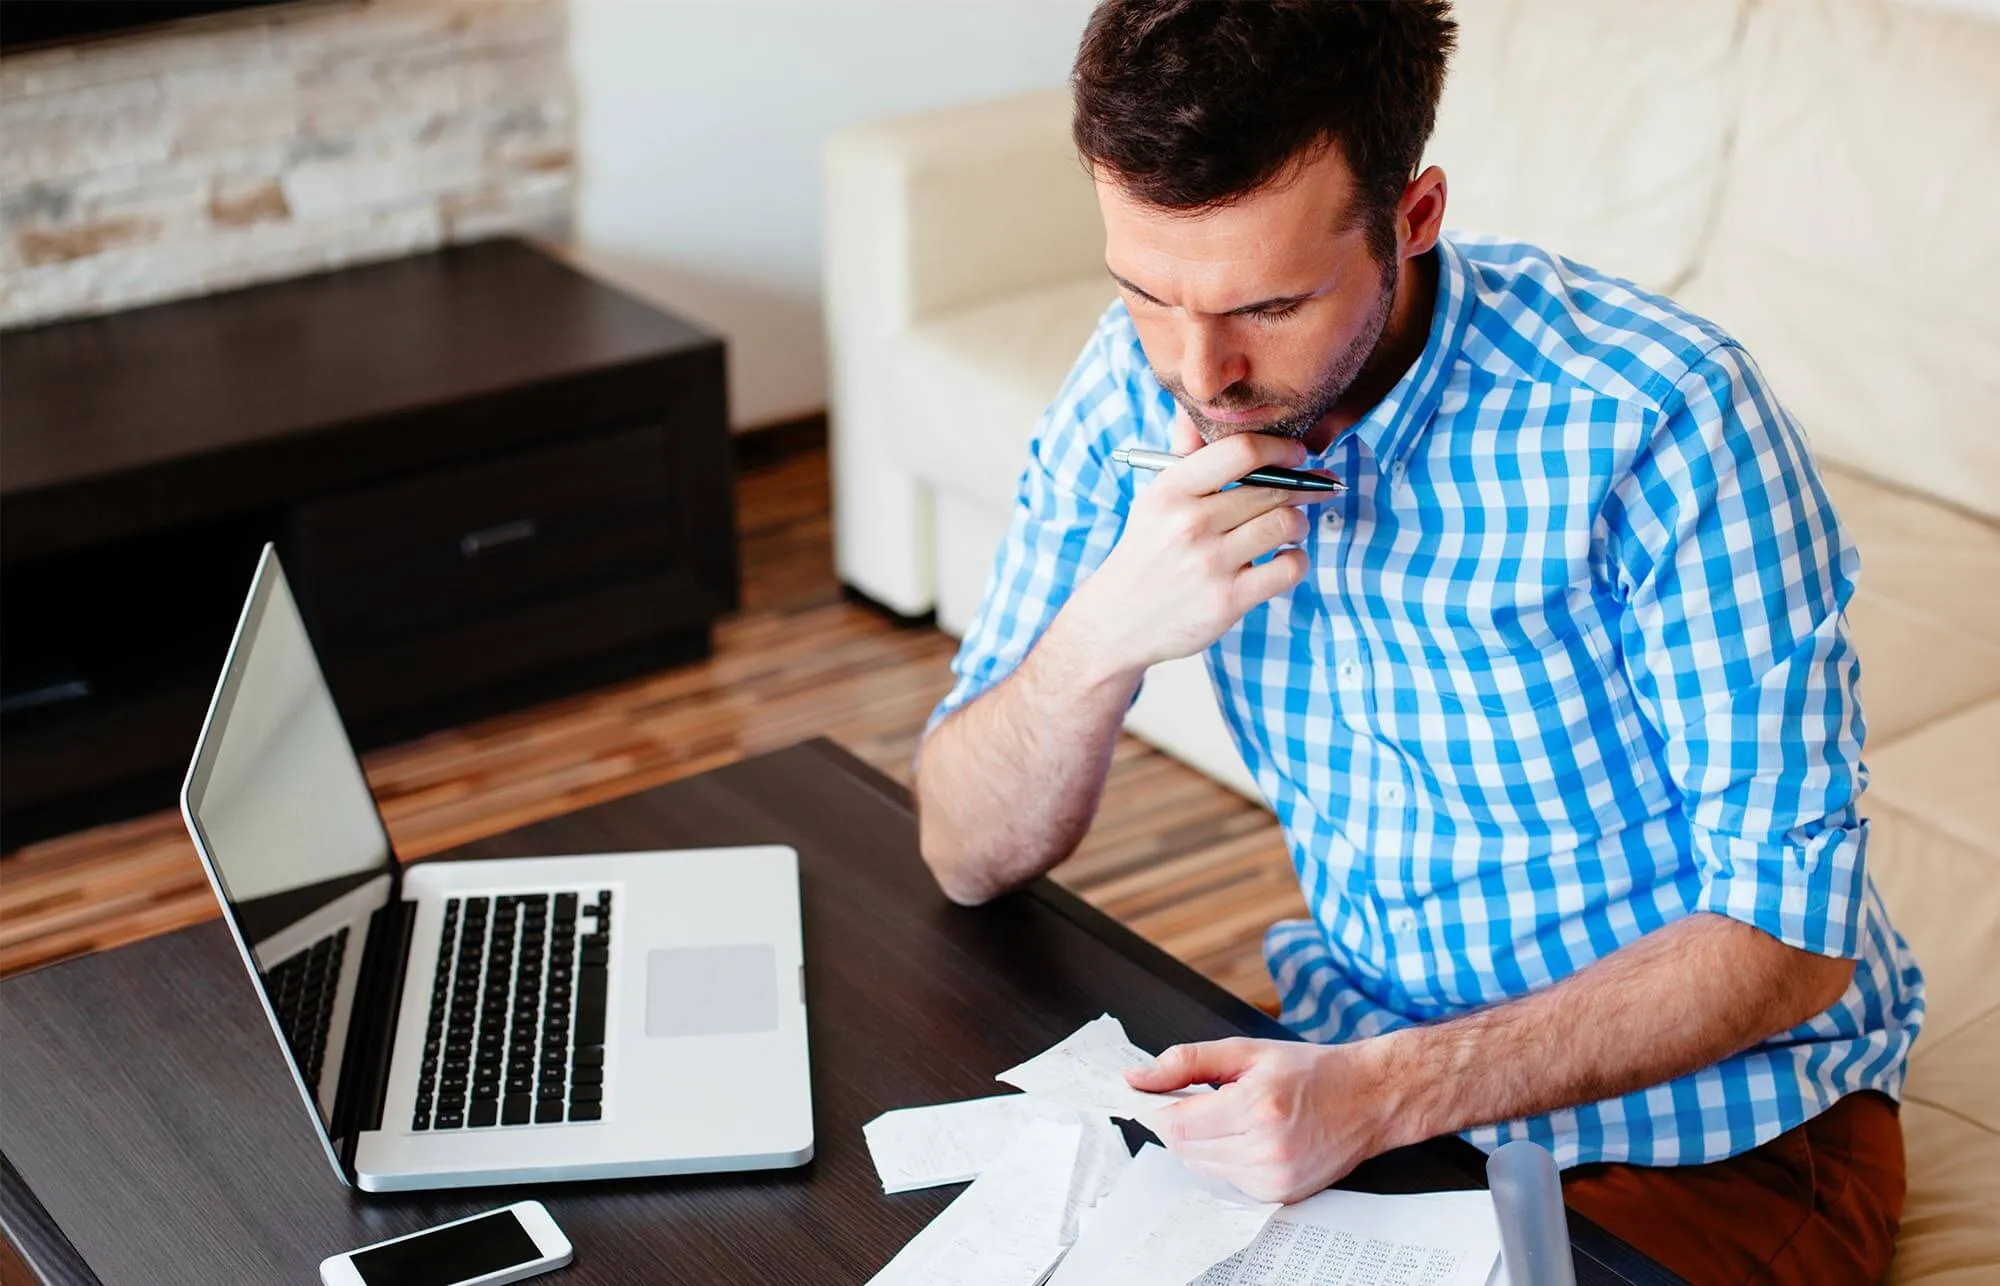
[(1402, 343)]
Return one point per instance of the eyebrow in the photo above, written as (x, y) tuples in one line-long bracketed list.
[(1262, 305)]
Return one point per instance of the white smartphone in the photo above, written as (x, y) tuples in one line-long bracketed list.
[(510, 1244)]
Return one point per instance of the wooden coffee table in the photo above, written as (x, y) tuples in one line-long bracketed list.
[(151, 1135)]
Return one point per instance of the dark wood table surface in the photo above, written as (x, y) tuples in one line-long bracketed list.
[(150, 1134)]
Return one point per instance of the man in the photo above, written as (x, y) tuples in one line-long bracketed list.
[(1556, 703)]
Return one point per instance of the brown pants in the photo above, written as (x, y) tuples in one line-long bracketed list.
[(1818, 1204)]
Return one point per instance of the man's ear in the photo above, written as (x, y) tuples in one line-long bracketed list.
[(1420, 213)]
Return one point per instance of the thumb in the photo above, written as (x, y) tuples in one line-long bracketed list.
[(1186, 438), (1211, 1062)]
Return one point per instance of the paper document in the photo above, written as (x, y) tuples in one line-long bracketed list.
[(1101, 1161), (1086, 1070), (1161, 1224), (923, 1147), (1358, 1239), (1007, 1228)]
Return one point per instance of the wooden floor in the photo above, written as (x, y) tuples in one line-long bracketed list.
[(1183, 861)]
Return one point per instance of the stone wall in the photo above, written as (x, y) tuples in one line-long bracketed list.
[(230, 150)]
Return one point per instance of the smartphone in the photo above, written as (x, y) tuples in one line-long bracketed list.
[(510, 1244)]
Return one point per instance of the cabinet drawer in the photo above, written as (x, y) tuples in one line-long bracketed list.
[(460, 542)]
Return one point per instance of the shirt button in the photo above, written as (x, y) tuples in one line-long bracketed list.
[(1349, 672), (1402, 921), (1392, 794), (1330, 520)]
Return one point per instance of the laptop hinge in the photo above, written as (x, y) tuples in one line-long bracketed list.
[(371, 1037)]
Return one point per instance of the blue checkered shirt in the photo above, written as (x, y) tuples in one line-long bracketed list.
[(1570, 664)]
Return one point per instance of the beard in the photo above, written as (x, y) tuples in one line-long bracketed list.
[(1298, 413)]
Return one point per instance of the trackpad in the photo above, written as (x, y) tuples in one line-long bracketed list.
[(710, 991)]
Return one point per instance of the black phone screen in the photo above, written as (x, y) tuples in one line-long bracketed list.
[(447, 1256)]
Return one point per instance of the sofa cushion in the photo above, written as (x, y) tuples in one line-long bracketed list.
[(1943, 896), (1926, 615), (1854, 251), (1951, 1142), (973, 383), (1596, 131)]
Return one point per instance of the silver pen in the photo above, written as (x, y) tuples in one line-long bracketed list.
[(1283, 479)]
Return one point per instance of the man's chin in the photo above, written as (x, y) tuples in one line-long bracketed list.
[(1277, 426)]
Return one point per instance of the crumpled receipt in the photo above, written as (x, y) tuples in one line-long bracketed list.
[(1086, 1071)]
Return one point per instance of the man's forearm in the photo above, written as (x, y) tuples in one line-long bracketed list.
[(1677, 1000), (1006, 787)]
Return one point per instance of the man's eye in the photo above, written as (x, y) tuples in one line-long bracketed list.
[(1275, 314)]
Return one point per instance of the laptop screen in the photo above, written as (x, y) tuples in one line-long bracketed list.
[(279, 808)]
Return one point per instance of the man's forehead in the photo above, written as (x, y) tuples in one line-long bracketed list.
[(1282, 240)]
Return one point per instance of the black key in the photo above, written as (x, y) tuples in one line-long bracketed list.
[(422, 1121), (593, 983), (519, 1083), (596, 956), (587, 1076), (483, 1113), (566, 906), (596, 940), (450, 1120), (548, 1110), (485, 1092), (516, 1109), (589, 1055), (586, 1112), (476, 906), (586, 1094)]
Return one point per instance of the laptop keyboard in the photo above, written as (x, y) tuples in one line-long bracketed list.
[(516, 1030), (301, 988)]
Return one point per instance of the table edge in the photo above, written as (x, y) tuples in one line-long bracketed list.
[(35, 1235)]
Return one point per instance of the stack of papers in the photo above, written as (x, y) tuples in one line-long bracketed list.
[(1056, 1197)]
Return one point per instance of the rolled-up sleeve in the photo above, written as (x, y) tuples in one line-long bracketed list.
[(1068, 510), (1735, 576)]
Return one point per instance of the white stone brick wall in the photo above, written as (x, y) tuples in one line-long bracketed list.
[(244, 148)]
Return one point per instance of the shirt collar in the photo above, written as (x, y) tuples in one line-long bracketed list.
[(1393, 425)]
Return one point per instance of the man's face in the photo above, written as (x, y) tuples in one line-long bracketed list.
[(1256, 316)]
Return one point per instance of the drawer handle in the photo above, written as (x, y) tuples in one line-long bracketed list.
[(474, 543)]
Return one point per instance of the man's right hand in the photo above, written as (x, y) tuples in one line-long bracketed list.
[(1180, 573)]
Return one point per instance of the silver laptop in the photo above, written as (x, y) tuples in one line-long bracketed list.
[(460, 1023)]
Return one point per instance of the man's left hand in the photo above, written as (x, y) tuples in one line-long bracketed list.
[(1289, 1119)]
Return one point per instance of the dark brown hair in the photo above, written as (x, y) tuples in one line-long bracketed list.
[(1193, 104)]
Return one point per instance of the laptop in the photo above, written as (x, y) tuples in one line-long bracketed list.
[(453, 1024)]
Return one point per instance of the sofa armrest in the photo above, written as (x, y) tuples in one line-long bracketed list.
[(927, 215)]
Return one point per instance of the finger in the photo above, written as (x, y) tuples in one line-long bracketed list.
[(1228, 510), (1282, 525), (1210, 1062), (1186, 438), (1224, 461), (1228, 1113), (1266, 581)]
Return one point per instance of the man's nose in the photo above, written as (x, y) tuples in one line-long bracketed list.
[(1209, 362)]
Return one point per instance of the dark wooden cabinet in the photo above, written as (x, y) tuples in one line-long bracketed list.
[(492, 480)]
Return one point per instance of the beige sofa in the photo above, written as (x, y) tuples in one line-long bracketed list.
[(1822, 179)]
